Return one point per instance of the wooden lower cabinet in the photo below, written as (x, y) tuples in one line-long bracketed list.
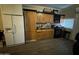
[(40, 34), (33, 35), (44, 34), (51, 33)]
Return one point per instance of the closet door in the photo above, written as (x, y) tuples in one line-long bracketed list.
[(18, 27), (8, 30)]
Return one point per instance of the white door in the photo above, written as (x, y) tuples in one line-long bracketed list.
[(18, 27), (7, 25)]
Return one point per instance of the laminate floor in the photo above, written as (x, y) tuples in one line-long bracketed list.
[(42, 47)]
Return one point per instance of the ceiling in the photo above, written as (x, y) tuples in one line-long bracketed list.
[(57, 6)]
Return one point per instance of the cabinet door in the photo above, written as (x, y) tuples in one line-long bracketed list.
[(30, 24), (51, 19), (33, 18), (44, 18), (18, 28), (51, 33), (40, 18), (27, 26), (8, 32), (47, 18)]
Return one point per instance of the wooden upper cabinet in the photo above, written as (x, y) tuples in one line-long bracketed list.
[(44, 18), (48, 18), (12, 9), (51, 18), (40, 17)]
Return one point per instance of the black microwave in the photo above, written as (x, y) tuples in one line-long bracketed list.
[(56, 18)]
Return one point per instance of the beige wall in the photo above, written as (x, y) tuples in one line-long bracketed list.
[(15, 9), (1, 25), (70, 12)]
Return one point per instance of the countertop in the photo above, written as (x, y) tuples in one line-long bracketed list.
[(44, 30)]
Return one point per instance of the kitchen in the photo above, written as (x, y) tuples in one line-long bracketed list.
[(41, 24), (27, 24)]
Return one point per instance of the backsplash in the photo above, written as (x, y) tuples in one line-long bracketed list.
[(43, 26)]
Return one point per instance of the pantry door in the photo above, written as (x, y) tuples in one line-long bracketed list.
[(18, 27)]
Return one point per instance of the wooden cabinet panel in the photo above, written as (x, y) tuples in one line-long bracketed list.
[(44, 18), (51, 33), (39, 35), (51, 19), (30, 24), (45, 34), (40, 17), (32, 18)]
